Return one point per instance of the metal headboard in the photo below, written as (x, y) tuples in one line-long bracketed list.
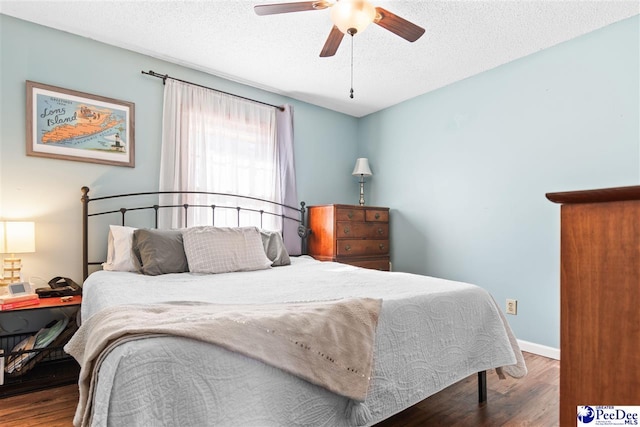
[(302, 230)]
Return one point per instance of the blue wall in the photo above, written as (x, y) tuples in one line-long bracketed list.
[(48, 191), (465, 168)]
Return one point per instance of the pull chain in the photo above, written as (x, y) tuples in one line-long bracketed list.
[(351, 92)]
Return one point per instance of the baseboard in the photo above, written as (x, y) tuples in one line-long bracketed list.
[(539, 349)]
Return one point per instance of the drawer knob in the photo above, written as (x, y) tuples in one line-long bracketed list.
[(350, 214), (347, 230), (347, 248), (380, 231), (381, 246), (377, 215)]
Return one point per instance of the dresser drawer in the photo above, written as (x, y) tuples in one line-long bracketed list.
[(346, 247), (346, 214), (374, 264), (367, 230), (376, 215)]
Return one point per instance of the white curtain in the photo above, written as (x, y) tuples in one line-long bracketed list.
[(216, 142)]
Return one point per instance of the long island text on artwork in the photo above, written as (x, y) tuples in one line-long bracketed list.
[(73, 124)]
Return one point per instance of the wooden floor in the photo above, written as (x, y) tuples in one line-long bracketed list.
[(531, 401)]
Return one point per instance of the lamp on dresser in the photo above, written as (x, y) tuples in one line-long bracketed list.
[(362, 170), (15, 237)]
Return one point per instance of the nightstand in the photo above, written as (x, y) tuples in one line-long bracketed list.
[(350, 234), (52, 367)]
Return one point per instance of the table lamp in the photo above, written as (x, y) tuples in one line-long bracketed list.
[(15, 237), (362, 169)]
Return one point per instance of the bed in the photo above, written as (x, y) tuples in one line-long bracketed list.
[(429, 333)]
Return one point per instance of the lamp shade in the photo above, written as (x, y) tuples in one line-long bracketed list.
[(352, 14), (362, 167), (17, 237)]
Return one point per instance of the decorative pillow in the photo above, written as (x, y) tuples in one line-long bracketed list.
[(223, 250), (120, 256), (160, 251), (274, 248)]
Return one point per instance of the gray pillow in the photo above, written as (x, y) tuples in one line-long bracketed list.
[(160, 251), (274, 248)]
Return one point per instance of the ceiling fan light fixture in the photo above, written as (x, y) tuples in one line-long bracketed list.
[(348, 15)]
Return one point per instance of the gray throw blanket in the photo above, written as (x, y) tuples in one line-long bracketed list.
[(328, 343)]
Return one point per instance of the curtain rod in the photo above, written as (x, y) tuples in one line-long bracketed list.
[(164, 78)]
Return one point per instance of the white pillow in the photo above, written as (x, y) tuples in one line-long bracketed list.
[(223, 250), (120, 256), (274, 248)]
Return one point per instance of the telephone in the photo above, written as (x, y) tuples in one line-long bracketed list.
[(59, 287)]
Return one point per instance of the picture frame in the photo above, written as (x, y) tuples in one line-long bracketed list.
[(72, 125)]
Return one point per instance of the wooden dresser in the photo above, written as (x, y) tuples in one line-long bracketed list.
[(599, 299), (356, 235)]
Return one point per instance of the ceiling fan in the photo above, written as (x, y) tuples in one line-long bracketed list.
[(349, 17)]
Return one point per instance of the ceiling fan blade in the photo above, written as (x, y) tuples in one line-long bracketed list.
[(332, 43), (397, 25), (300, 6)]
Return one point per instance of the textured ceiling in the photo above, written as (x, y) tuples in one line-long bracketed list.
[(280, 53)]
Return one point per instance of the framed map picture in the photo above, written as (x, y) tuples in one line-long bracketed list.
[(71, 125)]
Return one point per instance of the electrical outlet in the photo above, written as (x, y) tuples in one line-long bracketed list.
[(512, 306)]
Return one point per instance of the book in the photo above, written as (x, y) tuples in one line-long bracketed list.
[(45, 336), (6, 299), (18, 304), (19, 354)]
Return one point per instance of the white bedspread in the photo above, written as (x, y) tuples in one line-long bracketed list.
[(431, 334)]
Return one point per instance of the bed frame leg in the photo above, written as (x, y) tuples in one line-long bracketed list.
[(482, 386)]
